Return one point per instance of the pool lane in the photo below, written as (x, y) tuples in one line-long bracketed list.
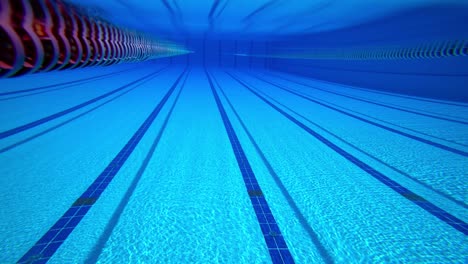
[(438, 168), (65, 84), (93, 256), (446, 133), (63, 162), (21, 128), (277, 247), (407, 98), (389, 105), (444, 108), (324, 254), (380, 162), (180, 196), (25, 140), (58, 233), (420, 139), (192, 192), (356, 217), (413, 197), (43, 80)]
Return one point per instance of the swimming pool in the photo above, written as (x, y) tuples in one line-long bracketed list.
[(346, 143), (176, 191)]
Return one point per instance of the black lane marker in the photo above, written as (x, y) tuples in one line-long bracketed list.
[(327, 258), (276, 244), (46, 119), (375, 103), (44, 249), (436, 211), (93, 256), (213, 8), (46, 91), (381, 120), (23, 141), (432, 143), (76, 82), (259, 10), (380, 72), (386, 93), (441, 193)]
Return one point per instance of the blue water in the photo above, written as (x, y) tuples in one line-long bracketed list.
[(341, 138)]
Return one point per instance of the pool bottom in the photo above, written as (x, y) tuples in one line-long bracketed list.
[(191, 203)]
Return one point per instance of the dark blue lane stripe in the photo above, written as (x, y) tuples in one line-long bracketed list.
[(451, 220), (213, 8), (416, 98), (46, 119), (75, 82), (386, 122), (301, 66), (221, 9), (327, 258), (441, 193), (259, 10), (276, 244), (93, 256), (50, 129), (62, 87), (432, 143), (43, 250), (374, 103)]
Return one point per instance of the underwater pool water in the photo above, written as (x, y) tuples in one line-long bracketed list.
[(280, 148)]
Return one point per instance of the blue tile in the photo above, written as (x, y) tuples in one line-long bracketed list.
[(270, 241), (40, 261), (261, 219), (274, 229), (74, 221), (265, 229), (49, 236), (280, 242), (97, 192), (50, 249), (254, 200), (104, 184), (275, 256), (63, 234), (257, 207), (287, 257), (83, 210), (270, 218), (33, 254), (262, 201), (71, 212), (266, 209), (60, 223), (88, 193)]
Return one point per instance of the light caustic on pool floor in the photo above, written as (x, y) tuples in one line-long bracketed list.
[(167, 164)]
